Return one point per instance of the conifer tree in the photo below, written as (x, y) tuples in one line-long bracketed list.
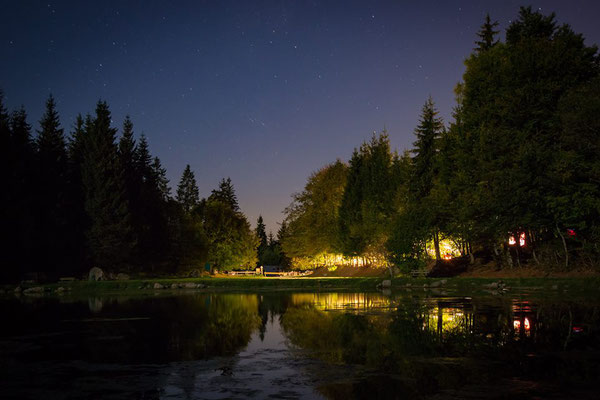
[(78, 218), (52, 189), (262, 237), (226, 194), (127, 161), (110, 236), (486, 35), (22, 191), (425, 167), (8, 239), (160, 175), (187, 190)]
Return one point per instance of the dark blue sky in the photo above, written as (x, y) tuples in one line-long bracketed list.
[(263, 92)]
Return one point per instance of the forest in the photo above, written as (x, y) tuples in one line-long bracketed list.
[(95, 199), (513, 178)]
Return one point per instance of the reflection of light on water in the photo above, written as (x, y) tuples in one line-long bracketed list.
[(342, 301), (452, 319)]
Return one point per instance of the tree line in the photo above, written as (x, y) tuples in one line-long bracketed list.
[(514, 177), (95, 198)]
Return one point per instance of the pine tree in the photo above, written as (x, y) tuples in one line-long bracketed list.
[(226, 194), (22, 191), (78, 219), (9, 238), (425, 170), (160, 175), (262, 237), (187, 190), (425, 150), (53, 191), (127, 160), (143, 160), (110, 236), (487, 34)]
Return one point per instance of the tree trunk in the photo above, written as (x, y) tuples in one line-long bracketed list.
[(436, 243), (518, 248), (565, 247), (508, 255), (535, 257)]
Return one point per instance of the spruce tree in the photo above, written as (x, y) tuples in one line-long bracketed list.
[(486, 35), (226, 194), (187, 190), (78, 218), (425, 168), (425, 150), (53, 191), (110, 236), (160, 175), (8, 237), (22, 192), (262, 237), (127, 161)]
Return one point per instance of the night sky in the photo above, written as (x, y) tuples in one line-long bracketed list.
[(262, 92)]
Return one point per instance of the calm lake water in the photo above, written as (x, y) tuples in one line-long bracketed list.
[(299, 345)]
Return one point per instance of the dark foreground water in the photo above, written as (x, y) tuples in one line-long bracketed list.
[(299, 345)]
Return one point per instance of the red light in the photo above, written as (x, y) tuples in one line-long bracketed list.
[(526, 324)]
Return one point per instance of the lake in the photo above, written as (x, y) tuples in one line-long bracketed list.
[(299, 345)]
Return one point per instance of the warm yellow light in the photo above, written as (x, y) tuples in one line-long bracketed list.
[(448, 249)]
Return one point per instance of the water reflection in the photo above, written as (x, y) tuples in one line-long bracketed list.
[(298, 345)]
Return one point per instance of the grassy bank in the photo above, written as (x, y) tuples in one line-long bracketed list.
[(553, 287)]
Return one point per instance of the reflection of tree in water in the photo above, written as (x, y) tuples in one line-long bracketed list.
[(173, 328), (426, 346), (270, 305)]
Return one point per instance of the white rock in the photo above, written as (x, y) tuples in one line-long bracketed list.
[(96, 274)]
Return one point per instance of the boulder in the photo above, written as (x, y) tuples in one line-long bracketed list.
[(195, 273), (158, 286), (34, 290), (60, 289), (96, 274), (493, 285), (175, 286), (201, 286), (386, 284), (189, 285), (18, 289), (436, 284), (122, 277)]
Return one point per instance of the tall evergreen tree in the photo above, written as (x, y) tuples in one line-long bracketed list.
[(22, 192), (261, 233), (162, 182), (187, 191), (487, 35), (53, 191), (78, 219), (226, 194), (425, 167), (128, 162), (110, 236)]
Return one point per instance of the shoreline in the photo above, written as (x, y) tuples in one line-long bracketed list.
[(547, 286)]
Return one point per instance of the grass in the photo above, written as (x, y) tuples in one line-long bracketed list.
[(553, 287)]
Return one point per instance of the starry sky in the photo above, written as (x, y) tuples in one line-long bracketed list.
[(264, 92)]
